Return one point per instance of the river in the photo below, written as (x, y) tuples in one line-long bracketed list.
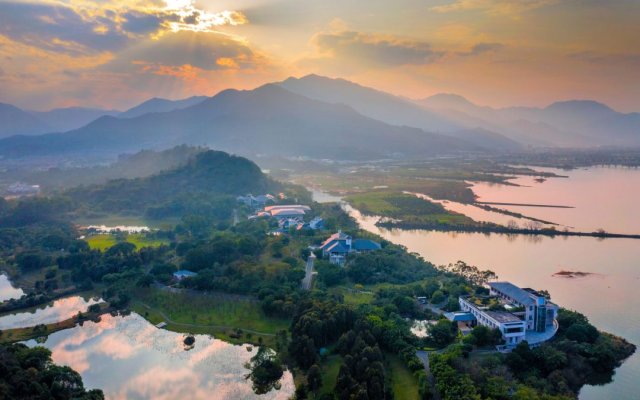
[(607, 295)]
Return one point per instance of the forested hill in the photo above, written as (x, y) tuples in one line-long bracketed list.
[(209, 175)]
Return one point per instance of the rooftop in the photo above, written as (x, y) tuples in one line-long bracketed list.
[(365, 244), (337, 247), (511, 290), (503, 317), (336, 236), (183, 273), (287, 211), (459, 316)]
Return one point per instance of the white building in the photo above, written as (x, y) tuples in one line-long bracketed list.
[(529, 316), (513, 329), (538, 313)]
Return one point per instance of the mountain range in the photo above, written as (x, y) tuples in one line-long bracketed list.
[(318, 117), (573, 123)]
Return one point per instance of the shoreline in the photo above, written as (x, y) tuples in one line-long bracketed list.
[(501, 230)]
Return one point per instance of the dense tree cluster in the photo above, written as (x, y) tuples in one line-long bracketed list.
[(392, 264), (29, 373)]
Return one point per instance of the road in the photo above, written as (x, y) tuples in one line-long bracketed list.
[(308, 273)]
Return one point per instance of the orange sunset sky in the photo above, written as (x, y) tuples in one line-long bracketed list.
[(114, 54)]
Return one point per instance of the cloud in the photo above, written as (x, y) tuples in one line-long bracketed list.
[(607, 59), (84, 28), (175, 51), (481, 48), (493, 7), (58, 28), (373, 50)]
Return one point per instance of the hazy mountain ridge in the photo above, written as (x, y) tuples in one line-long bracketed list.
[(158, 105), (65, 119), (128, 166), (14, 121), (393, 110), (580, 123), (266, 120), (319, 117)]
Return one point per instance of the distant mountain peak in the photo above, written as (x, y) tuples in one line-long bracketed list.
[(580, 105), (449, 98)]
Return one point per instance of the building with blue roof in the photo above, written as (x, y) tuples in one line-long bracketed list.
[(183, 273), (339, 245)]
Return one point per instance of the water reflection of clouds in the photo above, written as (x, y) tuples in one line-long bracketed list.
[(130, 359), (58, 311), (7, 291)]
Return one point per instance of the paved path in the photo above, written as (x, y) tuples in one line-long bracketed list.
[(308, 274)]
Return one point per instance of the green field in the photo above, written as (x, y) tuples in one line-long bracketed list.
[(352, 296), (405, 207), (104, 241), (405, 385), (209, 311), (330, 369)]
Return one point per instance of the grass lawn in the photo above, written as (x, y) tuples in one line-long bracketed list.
[(330, 368), (405, 207), (104, 241), (353, 297), (214, 310), (404, 384)]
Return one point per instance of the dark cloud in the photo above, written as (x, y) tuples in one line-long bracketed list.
[(203, 50), (58, 28), (141, 23), (375, 50), (481, 48)]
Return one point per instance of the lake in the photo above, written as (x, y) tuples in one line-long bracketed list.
[(7, 291), (128, 358), (607, 294)]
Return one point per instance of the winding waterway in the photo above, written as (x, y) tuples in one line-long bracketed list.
[(607, 294)]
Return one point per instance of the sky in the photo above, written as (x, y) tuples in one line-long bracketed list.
[(115, 54)]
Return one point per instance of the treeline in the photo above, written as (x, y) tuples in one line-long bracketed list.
[(29, 373)]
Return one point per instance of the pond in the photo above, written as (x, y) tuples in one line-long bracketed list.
[(128, 358)]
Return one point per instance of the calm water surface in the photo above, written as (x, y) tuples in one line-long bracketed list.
[(7, 291), (603, 197), (59, 310), (128, 358)]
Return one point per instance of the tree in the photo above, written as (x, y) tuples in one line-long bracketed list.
[(443, 332), (266, 370), (437, 297)]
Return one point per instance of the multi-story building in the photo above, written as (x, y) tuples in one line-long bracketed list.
[(539, 313), (519, 314)]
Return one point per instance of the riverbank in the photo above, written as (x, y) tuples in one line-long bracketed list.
[(493, 228), (43, 330)]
